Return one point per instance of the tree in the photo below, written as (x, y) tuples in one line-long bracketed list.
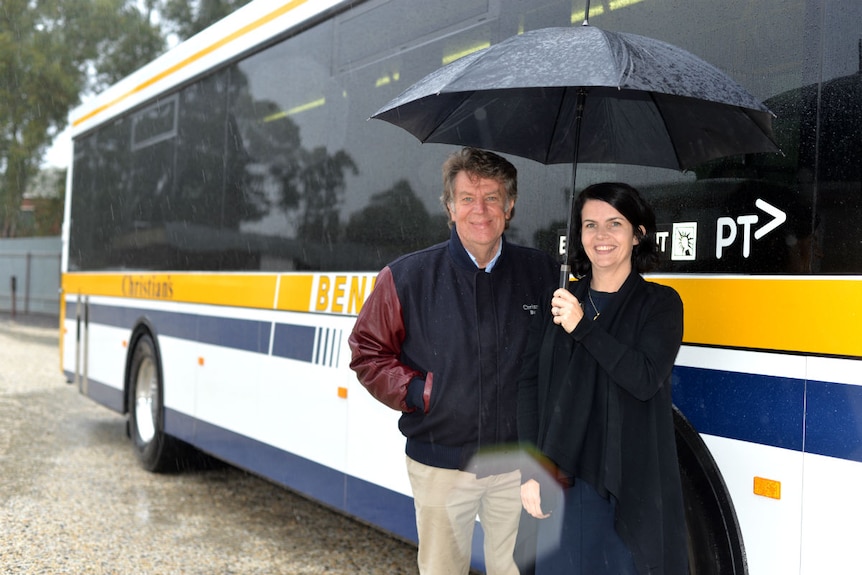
[(139, 40), (52, 51), (46, 194), (396, 219), (186, 18)]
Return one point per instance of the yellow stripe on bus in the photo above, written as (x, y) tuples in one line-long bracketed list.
[(193, 58), (242, 290), (294, 292), (325, 293), (820, 316)]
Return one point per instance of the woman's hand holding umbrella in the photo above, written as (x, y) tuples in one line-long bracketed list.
[(566, 309)]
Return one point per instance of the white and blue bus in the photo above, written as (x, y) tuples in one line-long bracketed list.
[(230, 204)]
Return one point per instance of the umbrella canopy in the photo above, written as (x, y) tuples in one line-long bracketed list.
[(834, 110), (583, 94)]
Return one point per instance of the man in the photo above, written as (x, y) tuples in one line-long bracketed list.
[(440, 339)]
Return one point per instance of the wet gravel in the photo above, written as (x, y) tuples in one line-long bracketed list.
[(74, 500)]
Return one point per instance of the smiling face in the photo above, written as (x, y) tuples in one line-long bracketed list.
[(608, 239), (479, 209)]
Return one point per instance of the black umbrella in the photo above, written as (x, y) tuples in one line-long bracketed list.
[(582, 94), (820, 127)]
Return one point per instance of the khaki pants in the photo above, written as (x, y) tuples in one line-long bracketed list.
[(447, 503)]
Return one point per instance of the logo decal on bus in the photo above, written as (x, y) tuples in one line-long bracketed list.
[(726, 231), (341, 293), (684, 241), (148, 287)]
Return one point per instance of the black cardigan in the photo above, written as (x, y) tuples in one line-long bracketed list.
[(597, 403)]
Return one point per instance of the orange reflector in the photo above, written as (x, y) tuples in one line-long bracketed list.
[(125, 343), (767, 488), (342, 392), (200, 361)]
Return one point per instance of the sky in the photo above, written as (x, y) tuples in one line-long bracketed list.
[(58, 154)]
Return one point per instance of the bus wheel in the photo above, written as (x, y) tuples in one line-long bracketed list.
[(154, 449), (715, 544)]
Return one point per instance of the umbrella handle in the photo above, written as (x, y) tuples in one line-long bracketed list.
[(565, 272), (565, 266)]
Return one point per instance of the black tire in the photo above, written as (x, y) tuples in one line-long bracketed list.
[(715, 543), (155, 450)]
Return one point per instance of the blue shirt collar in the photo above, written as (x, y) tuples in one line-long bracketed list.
[(493, 261), (465, 259)]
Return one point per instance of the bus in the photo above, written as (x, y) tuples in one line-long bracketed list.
[(229, 205)]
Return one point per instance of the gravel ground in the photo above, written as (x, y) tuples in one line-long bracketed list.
[(74, 500)]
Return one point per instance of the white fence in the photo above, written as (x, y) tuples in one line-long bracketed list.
[(30, 275)]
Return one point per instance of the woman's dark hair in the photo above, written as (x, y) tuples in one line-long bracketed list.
[(627, 201)]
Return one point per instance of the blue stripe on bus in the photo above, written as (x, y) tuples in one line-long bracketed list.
[(110, 397), (833, 424), (244, 334), (114, 316), (289, 341), (294, 341), (756, 408), (814, 416)]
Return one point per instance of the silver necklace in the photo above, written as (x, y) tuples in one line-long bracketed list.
[(598, 313)]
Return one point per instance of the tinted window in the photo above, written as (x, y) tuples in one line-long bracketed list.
[(273, 164)]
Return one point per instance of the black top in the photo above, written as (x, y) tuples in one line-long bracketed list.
[(597, 403)]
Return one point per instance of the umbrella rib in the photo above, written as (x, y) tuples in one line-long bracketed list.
[(477, 56), (556, 124), (465, 96), (667, 130)]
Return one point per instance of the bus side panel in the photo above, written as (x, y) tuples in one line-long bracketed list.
[(833, 466), (750, 410), (771, 528), (830, 535), (99, 375), (179, 374)]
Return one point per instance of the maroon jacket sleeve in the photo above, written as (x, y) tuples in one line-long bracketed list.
[(375, 345)]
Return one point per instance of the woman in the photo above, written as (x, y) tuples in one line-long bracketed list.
[(595, 399)]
